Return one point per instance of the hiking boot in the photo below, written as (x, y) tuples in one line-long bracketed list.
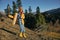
[(24, 35), (21, 34)]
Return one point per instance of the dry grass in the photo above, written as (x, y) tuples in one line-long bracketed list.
[(31, 35)]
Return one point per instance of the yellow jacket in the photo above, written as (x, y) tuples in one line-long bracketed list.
[(23, 17)]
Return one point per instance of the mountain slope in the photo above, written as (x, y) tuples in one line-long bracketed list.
[(53, 11), (9, 32)]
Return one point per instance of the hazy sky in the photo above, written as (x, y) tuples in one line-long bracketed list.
[(43, 4)]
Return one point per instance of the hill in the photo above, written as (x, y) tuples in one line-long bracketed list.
[(9, 32), (53, 11)]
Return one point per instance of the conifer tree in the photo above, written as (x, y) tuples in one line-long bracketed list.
[(39, 17), (26, 11), (8, 10), (30, 10), (19, 3), (14, 8)]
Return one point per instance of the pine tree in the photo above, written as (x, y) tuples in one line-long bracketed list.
[(26, 11), (7, 10), (39, 17), (37, 10), (14, 8), (19, 3), (30, 10)]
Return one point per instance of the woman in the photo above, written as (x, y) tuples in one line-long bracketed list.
[(20, 16)]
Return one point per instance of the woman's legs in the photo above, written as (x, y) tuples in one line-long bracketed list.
[(22, 29)]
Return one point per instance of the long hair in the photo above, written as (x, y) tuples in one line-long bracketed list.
[(20, 10)]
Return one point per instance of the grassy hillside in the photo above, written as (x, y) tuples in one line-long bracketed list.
[(9, 32)]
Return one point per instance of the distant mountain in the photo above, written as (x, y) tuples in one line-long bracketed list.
[(53, 11)]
